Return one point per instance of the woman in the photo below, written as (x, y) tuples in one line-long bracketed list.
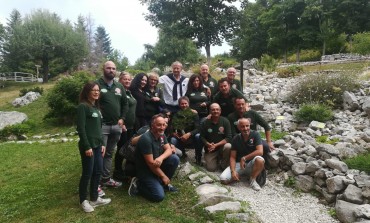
[(197, 94), (89, 121), (137, 87), (153, 97), (128, 128)]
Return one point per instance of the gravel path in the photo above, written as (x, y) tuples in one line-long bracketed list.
[(277, 203)]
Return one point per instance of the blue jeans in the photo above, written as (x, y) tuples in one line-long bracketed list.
[(196, 142), (151, 187), (91, 172), (111, 135)]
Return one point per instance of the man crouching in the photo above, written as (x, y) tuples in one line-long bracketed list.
[(155, 163), (245, 156)]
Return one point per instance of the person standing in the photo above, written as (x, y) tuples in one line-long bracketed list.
[(234, 83), (197, 94), (128, 128), (153, 97), (114, 106), (91, 146), (175, 86), (137, 89), (208, 80)]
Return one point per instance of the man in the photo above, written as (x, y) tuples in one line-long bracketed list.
[(114, 106), (216, 134), (175, 86), (225, 96), (245, 156), (234, 83), (208, 80), (187, 121), (242, 110), (155, 163)]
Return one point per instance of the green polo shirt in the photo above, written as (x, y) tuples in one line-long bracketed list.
[(89, 120), (146, 145), (236, 85), (212, 84), (256, 119), (215, 132), (196, 98), (245, 147), (113, 102), (226, 103)]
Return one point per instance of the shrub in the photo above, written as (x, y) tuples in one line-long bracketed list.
[(291, 71), (314, 112), (361, 43), (267, 63), (133, 72), (323, 88), (325, 139), (63, 98), (17, 129), (360, 162), (24, 91), (305, 55)]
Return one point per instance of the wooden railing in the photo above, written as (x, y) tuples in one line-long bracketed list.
[(18, 77)]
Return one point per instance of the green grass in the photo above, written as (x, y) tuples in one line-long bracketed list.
[(350, 66), (39, 183), (360, 162)]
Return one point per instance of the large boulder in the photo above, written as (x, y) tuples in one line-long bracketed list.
[(26, 99), (350, 101), (11, 118), (366, 106)]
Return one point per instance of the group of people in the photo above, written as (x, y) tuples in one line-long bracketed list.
[(161, 122)]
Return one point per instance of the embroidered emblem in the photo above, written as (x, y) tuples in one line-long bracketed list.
[(94, 115), (104, 90), (210, 130), (221, 129)]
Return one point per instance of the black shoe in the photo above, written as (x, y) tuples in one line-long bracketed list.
[(198, 161), (170, 188)]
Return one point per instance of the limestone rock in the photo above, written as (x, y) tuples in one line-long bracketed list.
[(299, 168), (205, 189), (26, 99), (336, 164), (241, 217), (350, 101), (353, 194), (366, 106), (346, 211), (224, 206), (11, 118), (304, 182), (335, 184)]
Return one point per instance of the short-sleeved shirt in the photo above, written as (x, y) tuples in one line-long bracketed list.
[(215, 132), (236, 85), (226, 103), (256, 119), (168, 85), (146, 145), (113, 102), (245, 147)]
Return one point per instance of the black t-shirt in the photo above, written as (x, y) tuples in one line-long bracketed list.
[(243, 147)]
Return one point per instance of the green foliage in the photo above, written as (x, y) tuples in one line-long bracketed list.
[(16, 130), (276, 135), (290, 182), (291, 71), (63, 98), (24, 91), (332, 212), (325, 139), (267, 63), (224, 61), (183, 120), (361, 43), (305, 55), (314, 112), (323, 87), (360, 162)]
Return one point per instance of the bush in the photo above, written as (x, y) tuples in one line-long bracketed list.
[(361, 43), (16, 130), (325, 139), (24, 91), (291, 71), (360, 162), (323, 88), (63, 98), (305, 55), (267, 63), (314, 112)]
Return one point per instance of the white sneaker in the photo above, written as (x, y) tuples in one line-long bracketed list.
[(101, 193), (86, 206), (100, 201), (254, 185)]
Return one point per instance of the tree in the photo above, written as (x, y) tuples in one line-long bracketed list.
[(169, 49), (208, 22), (103, 47), (119, 59), (42, 36)]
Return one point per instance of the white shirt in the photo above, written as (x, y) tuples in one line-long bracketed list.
[(168, 85)]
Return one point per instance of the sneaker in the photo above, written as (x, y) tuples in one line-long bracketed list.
[(100, 201), (101, 193), (254, 185), (170, 188), (86, 206), (132, 190), (111, 183)]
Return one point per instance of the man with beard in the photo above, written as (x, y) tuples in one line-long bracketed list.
[(155, 163), (114, 106), (245, 156)]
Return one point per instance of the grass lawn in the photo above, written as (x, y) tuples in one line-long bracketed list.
[(356, 67), (39, 183)]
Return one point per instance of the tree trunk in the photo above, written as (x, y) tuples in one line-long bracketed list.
[(324, 48), (45, 67), (208, 52)]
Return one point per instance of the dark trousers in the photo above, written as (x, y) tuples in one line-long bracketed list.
[(91, 172), (266, 151), (151, 187), (118, 159), (196, 143)]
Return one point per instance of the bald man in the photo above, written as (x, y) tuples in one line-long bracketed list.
[(208, 80), (114, 107), (234, 83)]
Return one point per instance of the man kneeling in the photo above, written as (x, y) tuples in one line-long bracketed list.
[(245, 156), (155, 163)]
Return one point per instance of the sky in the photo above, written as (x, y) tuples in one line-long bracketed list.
[(122, 19)]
